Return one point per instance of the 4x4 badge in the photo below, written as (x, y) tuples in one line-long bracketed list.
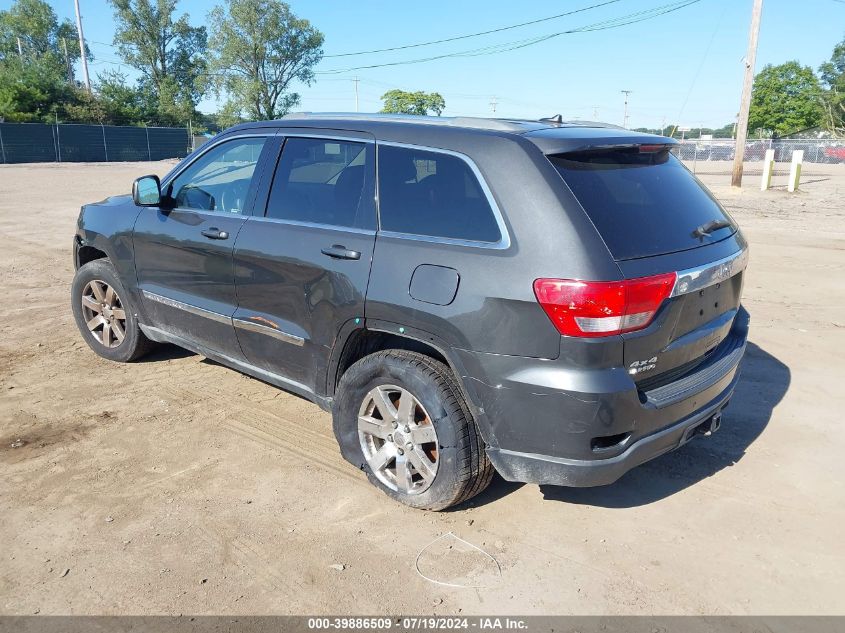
[(639, 366)]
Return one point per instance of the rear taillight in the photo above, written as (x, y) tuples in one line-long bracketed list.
[(602, 308)]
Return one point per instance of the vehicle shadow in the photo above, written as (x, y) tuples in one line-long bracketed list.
[(764, 382), (165, 351)]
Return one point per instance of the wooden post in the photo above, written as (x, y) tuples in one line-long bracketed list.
[(795, 170), (747, 85)]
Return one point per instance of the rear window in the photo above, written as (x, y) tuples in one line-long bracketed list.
[(433, 194), (642, 203)]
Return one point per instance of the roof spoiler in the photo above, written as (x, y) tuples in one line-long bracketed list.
[(569, 140)]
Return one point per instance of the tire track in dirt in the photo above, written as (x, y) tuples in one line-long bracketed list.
[(248, 556), (264, 426)]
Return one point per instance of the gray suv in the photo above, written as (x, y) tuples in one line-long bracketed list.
[(557, 302)]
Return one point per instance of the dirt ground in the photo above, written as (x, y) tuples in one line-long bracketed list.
[(177, 486)]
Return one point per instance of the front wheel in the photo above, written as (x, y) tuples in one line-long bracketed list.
[(400, 416), (103, 314)]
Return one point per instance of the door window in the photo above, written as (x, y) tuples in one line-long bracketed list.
[(219, 179), (324, 182), (433, 194)]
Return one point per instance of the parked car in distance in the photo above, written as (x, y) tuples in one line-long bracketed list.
[(834, 154), (558, 302)]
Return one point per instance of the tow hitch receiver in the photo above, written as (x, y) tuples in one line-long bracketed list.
[(708, 427)]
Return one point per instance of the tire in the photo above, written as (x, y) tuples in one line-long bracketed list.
[(93, 284), (461, 467)]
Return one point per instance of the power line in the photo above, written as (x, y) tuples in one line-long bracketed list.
[(480, 33), (514, 45), (632, 18), (700, 66)]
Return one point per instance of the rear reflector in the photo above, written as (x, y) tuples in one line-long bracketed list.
[(602, 308)]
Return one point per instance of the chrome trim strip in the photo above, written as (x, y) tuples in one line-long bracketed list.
[(505, 240), (163, 336), (329, 137), (695, 279), (187, 307), (269, 331), (314, 225)]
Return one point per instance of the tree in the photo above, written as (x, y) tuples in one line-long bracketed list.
[(726, 131), (113, 102), (170, 54), (786, 98), (260, 48), (40, 33), (419, 102), (833, 79), (36, 80)]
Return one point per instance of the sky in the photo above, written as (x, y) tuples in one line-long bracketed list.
[(682, 67)]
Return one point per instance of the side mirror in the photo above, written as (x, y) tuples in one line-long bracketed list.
[(146, 191)]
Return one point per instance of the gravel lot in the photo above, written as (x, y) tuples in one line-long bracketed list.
[(175, 485)]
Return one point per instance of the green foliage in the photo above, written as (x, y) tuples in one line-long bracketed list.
[(786, 98), (833, 78), (114, 102), (726, 131), (169, 53), (40, 32), (422, 103), (35, 83), (31, 92), (260, 47)]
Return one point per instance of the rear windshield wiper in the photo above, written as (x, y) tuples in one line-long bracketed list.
[(708, 227)]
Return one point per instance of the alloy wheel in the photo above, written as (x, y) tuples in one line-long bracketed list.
[(103, 313), (398, 439)]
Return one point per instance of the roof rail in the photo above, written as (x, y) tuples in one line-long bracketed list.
[(459, 121), (479, 123)]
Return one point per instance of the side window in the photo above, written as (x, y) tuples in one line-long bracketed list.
[(324, 182), (433, 194), (219, 179)]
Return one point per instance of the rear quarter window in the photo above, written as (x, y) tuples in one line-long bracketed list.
[(642, 203), (433, 194)]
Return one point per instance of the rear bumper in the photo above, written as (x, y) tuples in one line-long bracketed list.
[(560, 422), (582, 473)]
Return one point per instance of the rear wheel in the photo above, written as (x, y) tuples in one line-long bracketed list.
[(103, 314), (401, 418)]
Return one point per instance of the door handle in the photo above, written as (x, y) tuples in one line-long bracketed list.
[(338, 251), (215, 234)]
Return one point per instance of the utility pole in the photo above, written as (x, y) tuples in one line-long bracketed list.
[(82, 46), (493, 104), (747, 85), (67, 62), (662, 126), (355, 81), (625, 117)]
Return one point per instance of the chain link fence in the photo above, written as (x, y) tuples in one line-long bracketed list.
[(72, 143), (818, 151)]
